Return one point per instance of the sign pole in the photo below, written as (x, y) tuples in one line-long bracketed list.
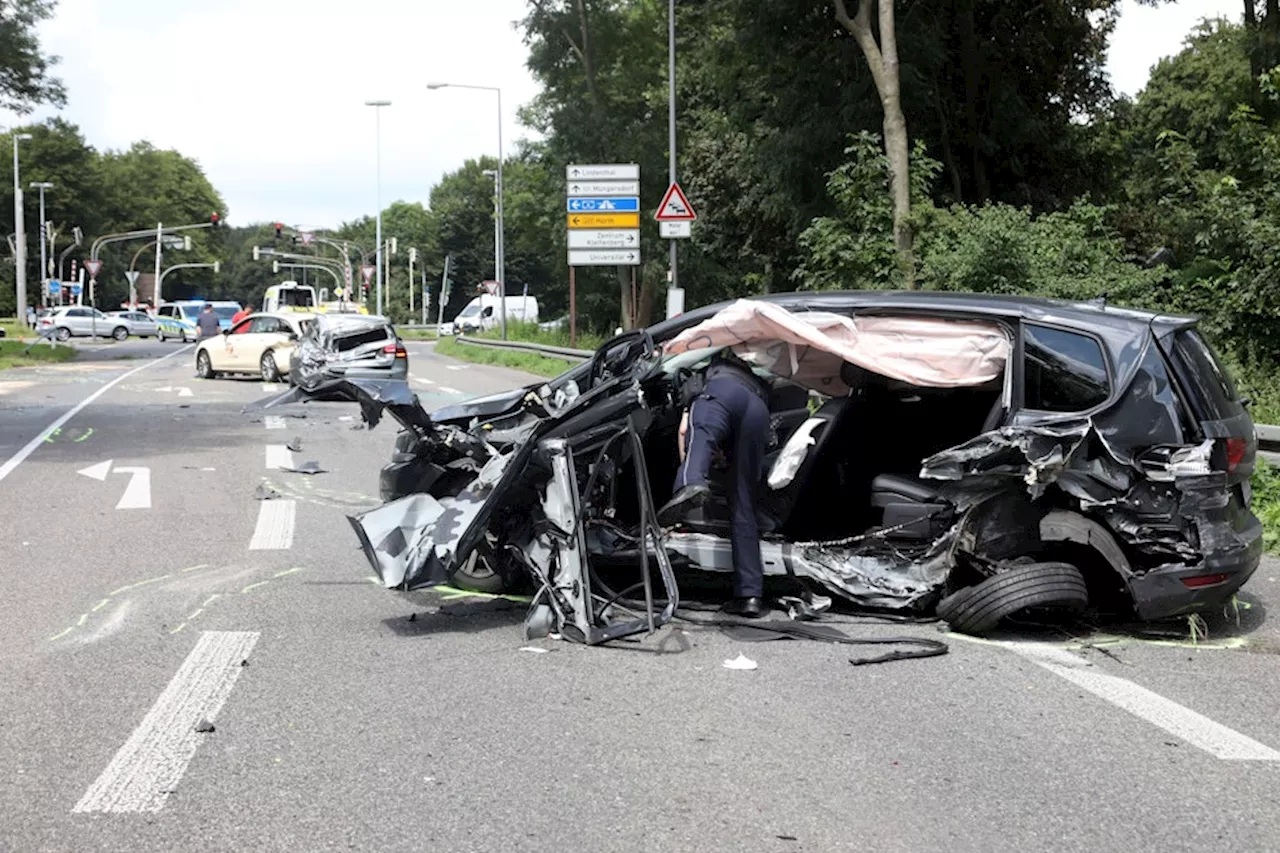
[(671, 118), (573, 308)]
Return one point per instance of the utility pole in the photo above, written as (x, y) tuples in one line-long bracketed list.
[(44, 258), (155, 298), (20, 237)]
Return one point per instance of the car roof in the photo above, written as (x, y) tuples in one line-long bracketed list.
[(1075, 314)]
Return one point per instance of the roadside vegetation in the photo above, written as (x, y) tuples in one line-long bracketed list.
[(12, 354), (526, 361)]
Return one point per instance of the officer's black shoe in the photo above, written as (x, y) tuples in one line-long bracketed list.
[(749, 608), (682, 502)]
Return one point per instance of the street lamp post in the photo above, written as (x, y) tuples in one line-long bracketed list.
[(20, 237), (499, 248), (44, 260), (377, 111)]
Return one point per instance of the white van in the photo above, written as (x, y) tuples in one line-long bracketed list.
[(483, 313)]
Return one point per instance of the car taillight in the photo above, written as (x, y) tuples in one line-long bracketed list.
[(1236, 448), (1205, 580), (401, 353)]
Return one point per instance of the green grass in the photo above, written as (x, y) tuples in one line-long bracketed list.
[(11, 354), (528, 362), (1266, 503), (12, 328), (534, 334)]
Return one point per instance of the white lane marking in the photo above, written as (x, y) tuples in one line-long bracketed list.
[(150, 764), (273, 422), (137, 495), (1178, 720), (279, 456), (423, 381), (446, 389), (456, 366), (274, 530), (98, 472), (17, 459), (184, 392)]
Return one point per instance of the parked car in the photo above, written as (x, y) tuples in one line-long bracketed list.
[(969, 455), (348, 345), (260, 343), (139, 323), (81, 320)]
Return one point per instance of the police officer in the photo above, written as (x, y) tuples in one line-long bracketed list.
[(731, 413)]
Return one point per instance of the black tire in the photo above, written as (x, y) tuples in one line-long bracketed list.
[(478, 572), (160, 335), (204, 367), (63, 333), (270, 372), (120, 333), (980, 608)]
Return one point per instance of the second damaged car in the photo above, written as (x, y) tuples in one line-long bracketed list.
[(973, 456)]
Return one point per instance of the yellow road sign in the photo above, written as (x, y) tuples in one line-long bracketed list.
[(604, 220)]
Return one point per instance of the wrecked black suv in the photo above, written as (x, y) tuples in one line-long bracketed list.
[(973, 455)]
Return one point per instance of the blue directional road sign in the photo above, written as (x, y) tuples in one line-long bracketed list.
[(603, 205), (75, 288), (55, 286)]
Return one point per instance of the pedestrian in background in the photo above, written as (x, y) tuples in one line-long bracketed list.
[(207, 322), (31, 316)]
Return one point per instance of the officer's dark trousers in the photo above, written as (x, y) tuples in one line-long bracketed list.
[(730, 416)]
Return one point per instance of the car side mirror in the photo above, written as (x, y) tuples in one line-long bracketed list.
[(226, 331)]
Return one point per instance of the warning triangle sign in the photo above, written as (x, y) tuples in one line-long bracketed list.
[(675, 207)]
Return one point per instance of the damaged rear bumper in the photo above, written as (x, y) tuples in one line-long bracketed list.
[(1179, 589)]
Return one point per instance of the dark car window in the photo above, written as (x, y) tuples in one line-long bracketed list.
[(1062, 371), (1215, 395)]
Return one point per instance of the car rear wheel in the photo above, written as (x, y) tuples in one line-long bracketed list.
[(270, 372), (63, 333), (980, 608), (204, 367), (120, 333)]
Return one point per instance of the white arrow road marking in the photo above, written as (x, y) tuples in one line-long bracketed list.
[(1178, 720), (273, 422), (165, 390), (137, 495), (279, 456), (30, 447), (446, 389), (149, 766), (98, 472), (184, 392), (274, 530)]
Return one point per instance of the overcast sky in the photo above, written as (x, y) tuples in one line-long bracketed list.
[(268, 95)]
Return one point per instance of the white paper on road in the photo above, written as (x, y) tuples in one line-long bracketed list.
[(150, 764)]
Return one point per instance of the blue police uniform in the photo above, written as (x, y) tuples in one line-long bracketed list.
[(732, 413)]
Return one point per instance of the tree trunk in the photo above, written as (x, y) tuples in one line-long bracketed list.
[(972, 87), (882, 59)]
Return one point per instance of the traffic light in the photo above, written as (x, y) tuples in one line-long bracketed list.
[(217, 223), (413, 255), (279, 229)]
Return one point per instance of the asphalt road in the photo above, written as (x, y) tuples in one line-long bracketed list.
[(369, 720)]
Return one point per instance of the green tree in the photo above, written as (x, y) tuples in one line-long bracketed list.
[(25, 80)]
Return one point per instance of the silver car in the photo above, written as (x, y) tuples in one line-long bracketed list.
[(71, 320), (140, 323)]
